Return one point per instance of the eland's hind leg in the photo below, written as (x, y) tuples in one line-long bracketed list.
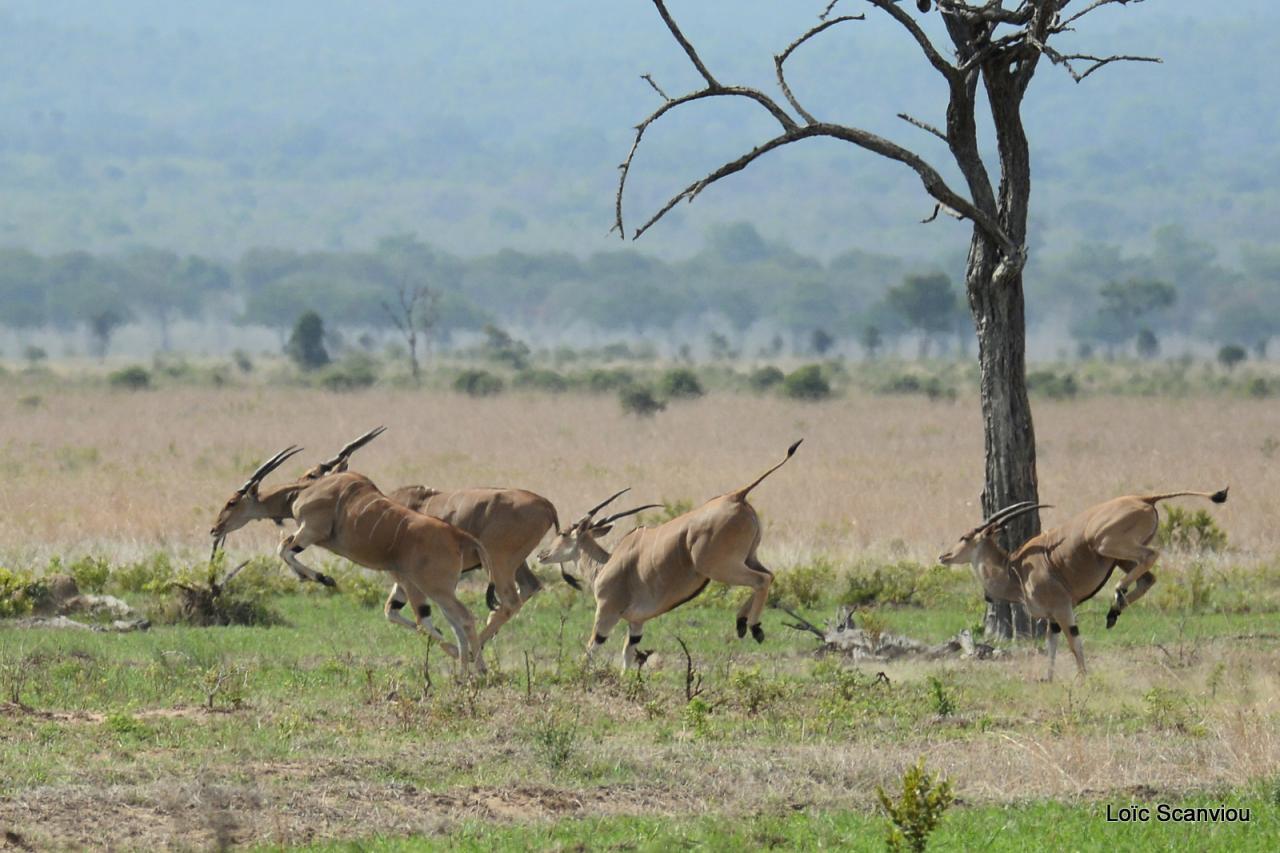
[(758, 579)]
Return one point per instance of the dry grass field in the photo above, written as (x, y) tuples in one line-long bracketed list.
[(134, 472), (321, 730)]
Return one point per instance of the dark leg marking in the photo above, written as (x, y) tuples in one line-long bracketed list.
[(396, 604), (600, 641), (742, 626), (297, 549), (424, 611), (326, 580), (1075, 630), (632, 640), (1055, 627), (757, 633)]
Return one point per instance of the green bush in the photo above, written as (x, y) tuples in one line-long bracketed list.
[(1052, 385), (680, 383), (895, 583), (1188, 530), (540, 379), (640, 401), (1231, 355), (944, 704), (917, 811), (802, 585), (555, 744), (806, 383), (765, 378), (907, 383), (602, 381), (306, 342), (150, 575), (132, 378), (355, 371), (478, 383), (91, 574), (20, 593)]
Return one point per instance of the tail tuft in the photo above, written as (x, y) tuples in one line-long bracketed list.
[(571, 580), (1219, 497), (491, 597), (791, 451)]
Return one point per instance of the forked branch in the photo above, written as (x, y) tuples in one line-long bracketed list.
[(792, 131)]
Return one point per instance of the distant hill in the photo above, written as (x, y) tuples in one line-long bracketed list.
[(215, 127)]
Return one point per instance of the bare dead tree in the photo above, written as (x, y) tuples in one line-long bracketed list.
[(996, 44), (416, 312)]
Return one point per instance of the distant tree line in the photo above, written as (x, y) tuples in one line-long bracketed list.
[(1110, 302)]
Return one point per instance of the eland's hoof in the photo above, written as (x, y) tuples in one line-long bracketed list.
[(1112, 616), (742, 627), (326, 580), (757, 633)]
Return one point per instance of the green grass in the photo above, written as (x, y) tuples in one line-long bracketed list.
[(1015, 828), (335, 700)]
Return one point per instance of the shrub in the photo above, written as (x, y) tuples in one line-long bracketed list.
[(907, 383), (1052, 385), (940, 697), (602, 381), (478, 383), (201, 601), (1231, 355), (355, 371), (555, 744), (1186, 530), (806, 383), (765, 378), (20, 593), (499, 346), (680, 383), (890, 584), (132, 378), (90, 573), (755, 691), (917, 811), (540, 379), (639, 400), (306, 343), (151, 575), (802, 585)]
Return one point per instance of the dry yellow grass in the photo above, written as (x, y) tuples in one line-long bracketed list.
[(121, 473)]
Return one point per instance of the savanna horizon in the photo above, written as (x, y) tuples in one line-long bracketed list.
[(117, 473)]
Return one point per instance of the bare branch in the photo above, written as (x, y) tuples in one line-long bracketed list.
[(827, 11), (624, 168), (991, 13), (684, 43), (1065, 59), (648, 78), (802, 624), (929, 176), (891, 8), (782, 57), (940, 208), (1067, 22), (923, 126)]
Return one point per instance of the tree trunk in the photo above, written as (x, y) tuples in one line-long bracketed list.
[(413, 355), (1006, 412)]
